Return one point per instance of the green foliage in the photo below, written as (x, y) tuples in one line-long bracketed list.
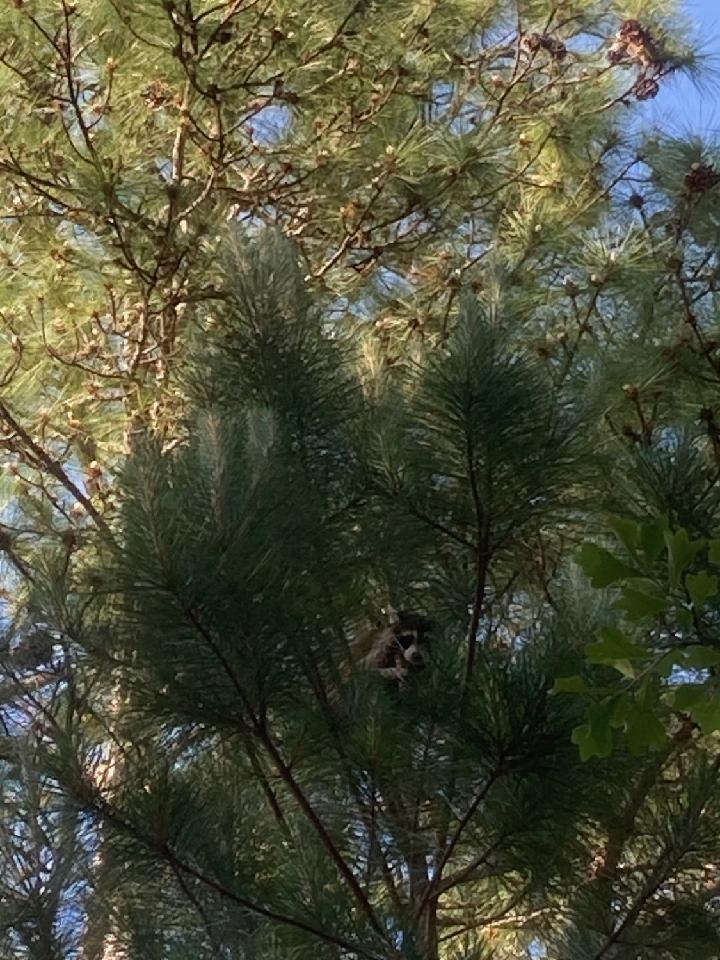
[(602, 567), (311, 311), (669, 638), (269, 794)]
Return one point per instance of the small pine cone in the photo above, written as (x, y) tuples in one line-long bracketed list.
[(617, 52), (633, 42), (531, 42), (630, 28), (556, 48), (157, 94), (570, 287), (634, 34), (646, 88), (631, 391), (644, 53), (701, 178)]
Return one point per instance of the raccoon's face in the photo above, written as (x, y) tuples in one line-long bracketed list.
[(411, 651), (410, 638)]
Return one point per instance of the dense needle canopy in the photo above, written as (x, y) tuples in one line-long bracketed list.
[(313, 312)]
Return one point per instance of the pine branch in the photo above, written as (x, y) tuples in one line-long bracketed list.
[(466, 873), (286, 775), (435, 887), (263, 911), (499, 919), (178, 865), (198, 906), (433, 523), (662, 871), (6, 547), (54, 468), (482, 565)]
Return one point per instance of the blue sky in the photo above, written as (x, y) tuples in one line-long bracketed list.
[(685, 106)]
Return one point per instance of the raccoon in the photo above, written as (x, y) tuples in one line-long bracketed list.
[(396, 649)]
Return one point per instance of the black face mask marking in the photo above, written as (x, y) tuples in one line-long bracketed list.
[(407, 640), (413, 623)]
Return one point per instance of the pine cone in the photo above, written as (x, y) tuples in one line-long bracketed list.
[(617, 53), (629, 27), (701, 178), (157, 94), (532, 42), (646, 88), (643, 52), (635, 44), (556, 48), (632, 31)]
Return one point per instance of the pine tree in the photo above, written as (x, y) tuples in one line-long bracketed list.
[(235, 785), (410, 148), (493, 328)]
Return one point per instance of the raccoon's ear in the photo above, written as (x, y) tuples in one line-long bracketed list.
[(391, 615)]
